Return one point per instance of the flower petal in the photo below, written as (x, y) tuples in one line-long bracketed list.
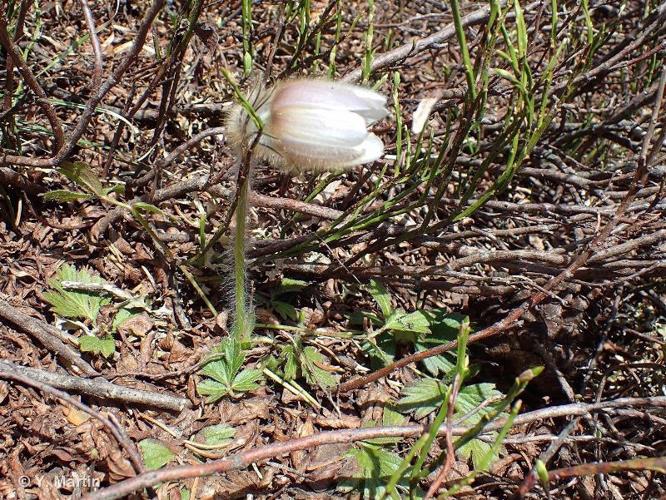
[(324, 94), (316, 127), (372, 149), (318, 157)]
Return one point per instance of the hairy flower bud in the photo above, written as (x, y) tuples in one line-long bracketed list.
[(311, 124)]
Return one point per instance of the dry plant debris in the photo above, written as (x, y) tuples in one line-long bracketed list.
[(480, 312)]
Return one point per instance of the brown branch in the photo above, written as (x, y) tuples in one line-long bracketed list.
[(95, 99), (48, 336), (9, 65), (114, 78), (31, 81), (115, 429), (200, 183), (100, 388), (175, 154), (10, 178), (547, 455), (419, 45), (510, 320), (246, 458), (97, 49), (657, 464)]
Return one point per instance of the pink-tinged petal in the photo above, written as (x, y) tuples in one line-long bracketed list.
[(325, 94), (371, 150), (318, 157), (316, 127)]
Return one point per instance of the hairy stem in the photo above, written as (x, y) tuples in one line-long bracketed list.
[(242, 326)]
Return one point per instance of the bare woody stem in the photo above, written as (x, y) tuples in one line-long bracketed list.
[(248, 457), (31, 81)]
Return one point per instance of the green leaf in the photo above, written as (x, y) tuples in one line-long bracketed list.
[(224, 373), (476, 450), (65, 196), (246, 380), (437, 366), (444, 327), (423, 397), (381, 296), (288, 285), (105, 346), (290, 370), (469, 400), (285, 310), (313, 373), (375, 466), (214, 390), (123, 315), (116, 188), (471, 397), (147, 207), (416, 322), (71, 304), (217, 434), (81, 174), (233, 356), (155, 453), (390, 417), (217, 370)]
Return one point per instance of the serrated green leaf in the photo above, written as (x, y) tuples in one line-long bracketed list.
[(476, 450), (416, 322), (214, 390), (155, 453), (71, 304), (423, 397), (217, 370), (314, 374), (246, 380), (469, 403), (81, 174), (224, 373), (375, 466), (233, 355), (65, 196), (105, 346), (444, 327), (290, 370), (390, 417), (438, 366), (381, 296), (123, 315), (471, 397), (116, 188), (217, 434)]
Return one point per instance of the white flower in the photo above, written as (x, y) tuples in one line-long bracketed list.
[(312, 124)]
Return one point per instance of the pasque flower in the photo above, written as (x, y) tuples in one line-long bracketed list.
[(311, 124)]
